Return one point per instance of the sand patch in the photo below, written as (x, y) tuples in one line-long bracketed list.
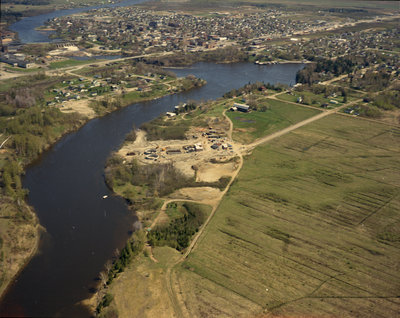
[(79, 106), (185, 166), (66, 49), (210, 172), (200, 194)]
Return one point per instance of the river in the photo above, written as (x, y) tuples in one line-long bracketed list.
[(66, 188)]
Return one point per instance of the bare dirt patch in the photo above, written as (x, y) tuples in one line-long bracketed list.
[(79, 106), (141, 291), (200, 194), (180, 153), (211, 172)]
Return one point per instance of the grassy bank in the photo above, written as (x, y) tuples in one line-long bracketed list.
[(31, 132), (27, 128)]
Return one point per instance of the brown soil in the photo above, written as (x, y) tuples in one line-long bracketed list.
[(80, 106)]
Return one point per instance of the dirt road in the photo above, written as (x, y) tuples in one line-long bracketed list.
[(71, 69)]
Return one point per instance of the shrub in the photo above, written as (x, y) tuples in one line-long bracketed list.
[(180, 230), (105, 302)]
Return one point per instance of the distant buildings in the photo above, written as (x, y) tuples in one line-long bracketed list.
[(16, 60)]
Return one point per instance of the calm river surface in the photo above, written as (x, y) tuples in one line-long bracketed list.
[(67, 185)]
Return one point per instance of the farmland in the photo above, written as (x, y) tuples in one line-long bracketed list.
[(309, 227), (278, 115)]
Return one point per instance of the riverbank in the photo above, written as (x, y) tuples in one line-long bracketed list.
[(27, 243), (180, 183)]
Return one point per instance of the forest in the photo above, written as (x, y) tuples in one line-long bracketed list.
[(178, 232), (313, 73)]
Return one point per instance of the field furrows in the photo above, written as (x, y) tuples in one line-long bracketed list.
[(315, 228), (297, 237)]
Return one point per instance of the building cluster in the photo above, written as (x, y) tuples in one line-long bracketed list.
[(374, 45), (17, 59), (77, 89), (211, 139), (144, 30), (353, 42), (97, 85)]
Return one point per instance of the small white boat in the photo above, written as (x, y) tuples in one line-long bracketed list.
[(105, 196)]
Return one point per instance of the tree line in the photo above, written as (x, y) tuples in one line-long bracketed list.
[(313, 73), (250, 87)]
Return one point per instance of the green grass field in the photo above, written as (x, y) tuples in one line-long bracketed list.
[(249, 126), (70, 62), (19, 69), (310, 227)]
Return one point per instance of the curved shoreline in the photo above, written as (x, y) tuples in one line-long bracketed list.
[(39, 229)]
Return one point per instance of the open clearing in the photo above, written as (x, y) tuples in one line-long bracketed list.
[(315, 231), (80, 106), (200, 194), (253, 125), (211, 172), (145, 284)]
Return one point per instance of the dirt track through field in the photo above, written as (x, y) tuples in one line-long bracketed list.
[(298, 125)]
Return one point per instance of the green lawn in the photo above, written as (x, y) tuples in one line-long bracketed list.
[(70, 62), (22, 70), (253, 125), (313, 99), (309, 228)]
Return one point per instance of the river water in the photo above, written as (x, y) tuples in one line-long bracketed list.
[(66, 188)]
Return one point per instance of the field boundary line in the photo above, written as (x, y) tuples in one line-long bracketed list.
[(378, 209)]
